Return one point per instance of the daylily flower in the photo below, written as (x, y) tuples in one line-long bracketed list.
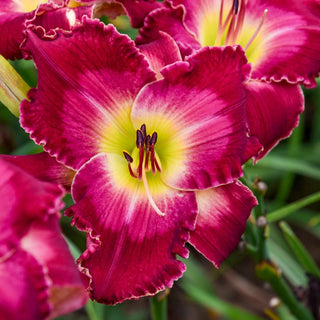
[(157, 161), (15, 16), (38, 274), (281, 38)]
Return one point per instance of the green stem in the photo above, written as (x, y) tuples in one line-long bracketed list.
[(158, 306), (91, 311), (292, 207), (269, 273)]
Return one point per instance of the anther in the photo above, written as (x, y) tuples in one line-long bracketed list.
[(128, 157), (235, 6), (154, 138), (144, 131), (140, 139), (130, 160)]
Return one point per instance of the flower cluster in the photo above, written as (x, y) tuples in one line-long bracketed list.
[(149, 136)]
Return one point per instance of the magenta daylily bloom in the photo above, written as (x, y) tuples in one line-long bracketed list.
[(157, 161), (38, 274), (15, 16), (281, 38)]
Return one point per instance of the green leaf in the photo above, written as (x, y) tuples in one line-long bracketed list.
[(299, 250), (292, 207), (289, 267)]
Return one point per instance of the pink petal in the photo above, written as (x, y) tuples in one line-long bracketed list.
[(291, 43), (45, 243), (138, 10), (272, 111), (171, 21), (43, 167), (12, 25), (131, 249), (76, 100), (23, 199), (161, 52), (24, 287), (202, 101), (223, 213)]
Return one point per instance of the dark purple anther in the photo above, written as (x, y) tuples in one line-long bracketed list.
[(235, 6), (140, 139), (154, 138)]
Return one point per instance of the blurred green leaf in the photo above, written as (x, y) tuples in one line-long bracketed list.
[(289, 267), (299, 250), (292, 207), (268, 272), (198, 288)]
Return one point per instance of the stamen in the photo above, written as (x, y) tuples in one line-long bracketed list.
[(257, 30), (146, 161), (240, 20), (223, 27), (153, 204), (140, 167), (130, 160)]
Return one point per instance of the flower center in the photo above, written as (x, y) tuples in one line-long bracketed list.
[(147, 161), (231, 29)]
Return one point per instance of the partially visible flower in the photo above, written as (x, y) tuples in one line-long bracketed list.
[(15, 16), (38, 274), (281, 38), (157, 161)]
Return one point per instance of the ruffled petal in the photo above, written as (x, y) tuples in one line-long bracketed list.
[(13, 23), (43, 167), (198, 112), (170, 20), (24, 287), (272, 112), (131, 249), (291, 42), (138, 10), (79, 98), (23, 199), (223, 212), (161, 52), (45, 243)]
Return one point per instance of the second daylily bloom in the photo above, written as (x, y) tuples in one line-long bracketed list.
[(157, 161), (281, 38), (38, 274)]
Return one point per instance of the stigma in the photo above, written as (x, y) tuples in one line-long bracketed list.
[(147, 161)]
